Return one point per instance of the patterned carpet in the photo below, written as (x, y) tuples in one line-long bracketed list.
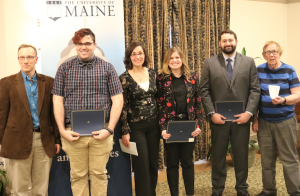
[(203, 182)]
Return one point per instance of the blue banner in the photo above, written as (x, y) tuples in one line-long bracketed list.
[(59, 21), (118, 172)]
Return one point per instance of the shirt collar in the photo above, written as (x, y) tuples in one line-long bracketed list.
[(26, 77), (173, 77), (232, 58)]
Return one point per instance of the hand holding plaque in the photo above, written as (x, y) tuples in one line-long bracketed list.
[(85, 122), (242, 118), (218, 119), (165, 135), (181, 131), (229, 109)]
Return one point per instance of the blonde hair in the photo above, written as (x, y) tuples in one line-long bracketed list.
[(280, 50), (27, 46), (184, 68)]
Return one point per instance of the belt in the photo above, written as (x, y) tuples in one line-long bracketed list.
[(149, 101), (180, 115), (36, 129)]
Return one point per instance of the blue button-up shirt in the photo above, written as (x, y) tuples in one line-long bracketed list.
[(32, 96)]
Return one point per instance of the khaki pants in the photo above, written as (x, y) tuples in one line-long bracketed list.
[(88, 158), (33, 171)]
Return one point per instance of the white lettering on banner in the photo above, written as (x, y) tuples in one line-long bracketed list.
[(62, 158), (114, 154)]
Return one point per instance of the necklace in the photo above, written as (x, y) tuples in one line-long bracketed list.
[(141, 75), (141, 78)]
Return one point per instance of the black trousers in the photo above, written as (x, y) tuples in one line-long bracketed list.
[(182, 152), (146, 134), (239, 136)]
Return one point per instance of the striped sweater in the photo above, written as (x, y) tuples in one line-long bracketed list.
[(285, 76)]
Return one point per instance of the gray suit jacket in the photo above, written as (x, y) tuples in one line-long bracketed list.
[(215, 84)]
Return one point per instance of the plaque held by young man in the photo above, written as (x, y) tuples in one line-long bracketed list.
[(85, 122), (230, 108)]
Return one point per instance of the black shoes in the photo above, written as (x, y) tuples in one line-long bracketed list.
[(266, 194), (216, 194), (243, 193)]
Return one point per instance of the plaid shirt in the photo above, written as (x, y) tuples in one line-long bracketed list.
[(85, 88)]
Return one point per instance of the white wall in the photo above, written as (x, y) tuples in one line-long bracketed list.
[(18, 24), (256, 22), (293, 34), (2, 49)]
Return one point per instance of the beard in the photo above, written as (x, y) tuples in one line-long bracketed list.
[(228, 50)]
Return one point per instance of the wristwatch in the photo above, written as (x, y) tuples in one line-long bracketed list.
[(284, 101), (109, 130)]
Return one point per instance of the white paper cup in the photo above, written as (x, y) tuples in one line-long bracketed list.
[(274, 91)]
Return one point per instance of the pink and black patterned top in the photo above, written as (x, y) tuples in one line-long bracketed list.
[(167, 104)]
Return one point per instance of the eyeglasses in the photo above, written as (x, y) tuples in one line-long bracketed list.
[(86, 44), (136, 55), (271, 52), (29, 58)]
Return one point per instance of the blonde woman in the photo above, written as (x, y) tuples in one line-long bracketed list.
[(178, 98)]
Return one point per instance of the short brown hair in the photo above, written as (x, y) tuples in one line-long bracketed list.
[(27, 46), (128, 52), (184, 68), (78, 35), (227, 32), (280, 50)]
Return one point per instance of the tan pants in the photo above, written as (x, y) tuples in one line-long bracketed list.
[(33, 171), (88, 158)]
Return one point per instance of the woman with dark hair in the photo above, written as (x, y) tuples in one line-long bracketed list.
[(139, 117), (178, 99)]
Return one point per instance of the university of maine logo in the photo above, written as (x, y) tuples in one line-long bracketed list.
[(59, 9), (54, 9)]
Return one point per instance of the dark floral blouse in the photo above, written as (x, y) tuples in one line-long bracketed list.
[(167, 104), (138, 103)]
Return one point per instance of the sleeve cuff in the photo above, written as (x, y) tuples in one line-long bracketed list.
[(249, 113), (210, 113)]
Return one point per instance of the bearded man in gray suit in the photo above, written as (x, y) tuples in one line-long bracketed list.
[(229, 76)]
